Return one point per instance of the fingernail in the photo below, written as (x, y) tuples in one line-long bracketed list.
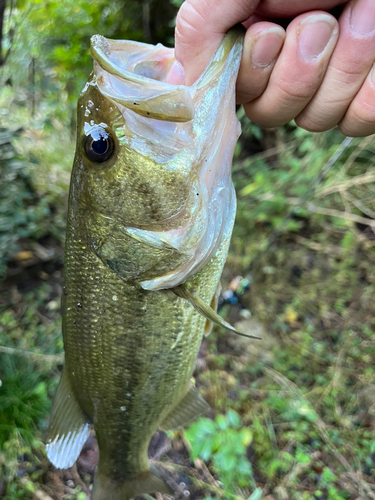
[(176, 75), (315, 33), (267, 46), (362, 17)]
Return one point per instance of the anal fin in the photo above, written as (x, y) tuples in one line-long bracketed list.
[(68, 429), (189, 408)]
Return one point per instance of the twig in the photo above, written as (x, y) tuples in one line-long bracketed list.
[(318, 247), (78, 480), (355, 153), (358, 204), (355, 181), (336, 213), (200, 465), (343, 215), (265, 154), (50, 358)]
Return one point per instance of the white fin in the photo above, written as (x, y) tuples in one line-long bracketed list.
[(68, 429)]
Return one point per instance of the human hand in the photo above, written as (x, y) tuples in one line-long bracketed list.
[(318, 72)]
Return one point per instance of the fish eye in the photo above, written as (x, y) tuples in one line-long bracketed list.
[(99, 146)]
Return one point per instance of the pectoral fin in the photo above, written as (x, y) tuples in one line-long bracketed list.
[(205, 310), (190, 407), (213, 305), (68, 428), (150, 238)]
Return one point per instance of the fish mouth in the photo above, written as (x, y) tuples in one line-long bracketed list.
[(132, 75)]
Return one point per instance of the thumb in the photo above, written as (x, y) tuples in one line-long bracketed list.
[(200, 28)]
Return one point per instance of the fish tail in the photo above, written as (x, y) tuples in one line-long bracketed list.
[(149, 481)]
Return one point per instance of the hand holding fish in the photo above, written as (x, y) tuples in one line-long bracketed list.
[(318, 71)]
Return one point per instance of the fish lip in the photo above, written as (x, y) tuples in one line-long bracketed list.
[(101, 48), (159, 100)]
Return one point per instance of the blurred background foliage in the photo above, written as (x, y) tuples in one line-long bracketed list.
[(293, 416)]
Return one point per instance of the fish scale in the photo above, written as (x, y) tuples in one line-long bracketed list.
[(137, 335)]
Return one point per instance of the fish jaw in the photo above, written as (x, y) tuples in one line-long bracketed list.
[(121, 67), (178, 143)]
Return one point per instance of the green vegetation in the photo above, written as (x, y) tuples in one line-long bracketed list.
[(223, 440), (293, 415)]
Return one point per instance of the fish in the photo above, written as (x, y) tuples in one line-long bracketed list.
[(150, 216)]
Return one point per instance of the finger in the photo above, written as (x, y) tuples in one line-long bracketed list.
[(290, 8), (262, 45), (350, 63), (359, 120), (200, 28), (299, 70)]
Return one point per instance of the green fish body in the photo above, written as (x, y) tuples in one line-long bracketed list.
[(151, 211)]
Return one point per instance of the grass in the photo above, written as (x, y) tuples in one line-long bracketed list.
[(293, 415), (306, 391)]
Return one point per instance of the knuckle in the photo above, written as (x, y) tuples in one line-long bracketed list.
[(349, 68), (189, 21), (353, 131), (246, 94), (312, 125), (359, 121), (263, 119), (296, 91), (364, 111)]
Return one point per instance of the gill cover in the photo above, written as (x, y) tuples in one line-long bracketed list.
[(192, 130)]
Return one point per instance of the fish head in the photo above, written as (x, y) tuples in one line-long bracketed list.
[(118, 180), (151, 178)]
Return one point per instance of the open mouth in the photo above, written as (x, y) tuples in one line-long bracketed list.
[(132, 74)]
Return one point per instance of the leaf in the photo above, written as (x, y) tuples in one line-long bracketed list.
[(23, 255), (233, 418), (221, 422), (256, 494), (291, 315), (207, 449), (250, 188), (246, 436)]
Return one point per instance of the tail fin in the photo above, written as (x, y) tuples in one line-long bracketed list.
[(145, 482)]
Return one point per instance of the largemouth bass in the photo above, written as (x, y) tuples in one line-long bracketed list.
[(151, 211)]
